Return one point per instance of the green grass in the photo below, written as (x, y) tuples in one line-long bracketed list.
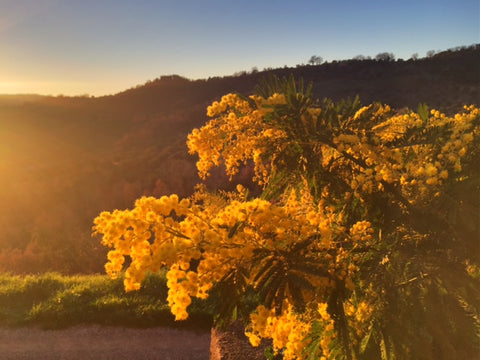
[(55, 301)]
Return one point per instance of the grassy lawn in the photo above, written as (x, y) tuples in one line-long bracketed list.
[(52, 300)]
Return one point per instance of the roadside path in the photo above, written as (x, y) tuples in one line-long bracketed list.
[(103, 343)]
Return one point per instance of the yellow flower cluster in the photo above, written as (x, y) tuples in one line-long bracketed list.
[(287, 331), (361, 232), (130, 232), (229, 101), (328, 330), (172, 232), (182, 285), (382, 155), (236, 134), (359, 317)]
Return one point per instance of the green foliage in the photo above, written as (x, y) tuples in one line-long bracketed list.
[(305, 133), (241, 299), (422, 111), (284, 274)]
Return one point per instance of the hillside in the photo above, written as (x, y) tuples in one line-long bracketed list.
[(63, 160)]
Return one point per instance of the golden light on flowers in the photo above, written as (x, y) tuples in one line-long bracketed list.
[(343, 188)]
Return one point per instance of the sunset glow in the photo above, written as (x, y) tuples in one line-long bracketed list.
[(56, 88), (18, 87)]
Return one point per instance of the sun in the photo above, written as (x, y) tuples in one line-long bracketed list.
[(23, 87), (10, 87)]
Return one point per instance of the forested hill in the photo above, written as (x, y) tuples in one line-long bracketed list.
[(442, 80), (65, 159)]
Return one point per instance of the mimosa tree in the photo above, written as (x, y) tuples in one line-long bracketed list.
[(363, 244)]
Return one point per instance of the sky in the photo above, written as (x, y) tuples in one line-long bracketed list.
[(101, 47)]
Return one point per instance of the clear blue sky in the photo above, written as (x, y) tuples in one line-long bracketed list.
[(106, 46)]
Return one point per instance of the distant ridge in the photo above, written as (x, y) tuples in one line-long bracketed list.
[(442, 80)]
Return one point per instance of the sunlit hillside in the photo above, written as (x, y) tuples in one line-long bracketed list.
[(63, 160)]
